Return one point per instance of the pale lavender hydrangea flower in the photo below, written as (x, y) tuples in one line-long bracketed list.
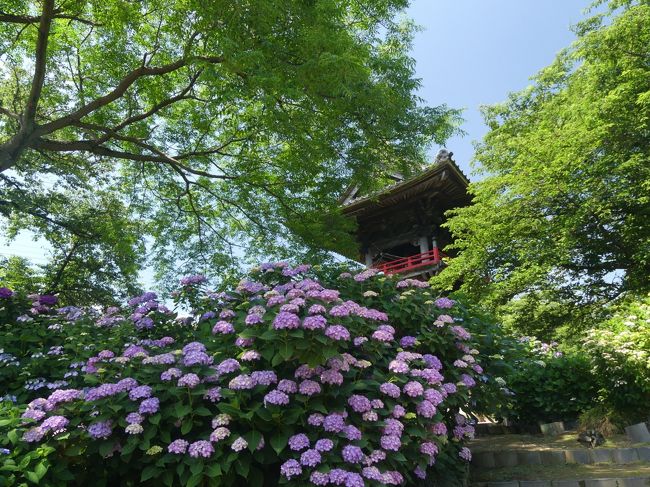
[(178, 447), (286, 321), (315, 322), (334, 423), (277, 398), (239, 444), (264, 377), (189, 380), (309, 387), (290, 468), (465, 454), (391, 390), (288, 386), (398, 367), (220, 433), (55, 424), (413, 389), (201, 449), (319, 478), (213, 394), (337, 332), (331, 376), (242, 382)]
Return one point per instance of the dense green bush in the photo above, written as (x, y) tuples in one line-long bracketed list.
[(550, 385), (283, 380), (619, 353)]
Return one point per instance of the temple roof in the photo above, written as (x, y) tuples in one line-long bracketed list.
[(443, 178)]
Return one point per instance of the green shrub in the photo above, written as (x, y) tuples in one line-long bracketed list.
[(238, 392), (619, 354)]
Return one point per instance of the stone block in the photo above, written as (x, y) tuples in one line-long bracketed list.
[(534, 483), (553, 457), (644, 453), (565, 483), (634, 482), (578, 456), (601, 482), (625, 455), (529, 458), (483, 459), (552, 429), (638, 433), (601, 455), (505, 458), (505, 483)]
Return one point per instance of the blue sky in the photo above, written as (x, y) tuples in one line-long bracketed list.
[(474, 52), (469, 53)]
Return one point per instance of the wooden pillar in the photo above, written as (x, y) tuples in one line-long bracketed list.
[(368, 258), (424, 245)]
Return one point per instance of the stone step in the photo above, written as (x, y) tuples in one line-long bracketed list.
[(602, 482), (512, 458)]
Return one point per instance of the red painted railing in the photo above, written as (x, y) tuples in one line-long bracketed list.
[(406, 264)]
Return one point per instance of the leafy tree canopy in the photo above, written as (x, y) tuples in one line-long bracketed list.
[(562, 214), (222, 128)]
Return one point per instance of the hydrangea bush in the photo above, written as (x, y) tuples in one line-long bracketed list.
[(367, 380)]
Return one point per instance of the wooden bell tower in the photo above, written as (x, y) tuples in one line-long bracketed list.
[(399, 228)]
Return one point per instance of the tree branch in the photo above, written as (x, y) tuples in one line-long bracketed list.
[(39, 65), (121, 88)]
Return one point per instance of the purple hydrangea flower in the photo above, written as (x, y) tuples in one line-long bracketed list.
[(398, 367), (140, 392), (324, 445), (337, 332), (445, 303), (391, 390), (55, 424), (189, 380), (465, 454), (286, 321), (213, 394), (309, 387), (178, 447), (331, 376), (5, 292), (413, 389), (334, 423), (319, 478), (315, 322), (201, 448), (242, 382), (170, 374), (223, 328), (439, 429), (134, 418), (220, 433), (352, 454), (288, 386), (227, 366), (101, 429), (390, 442), (149, 406), (290, 468), (407, 341), (239, 444), (359, 404), (277, 398), (352, 433), (299, 442), (264, 377)]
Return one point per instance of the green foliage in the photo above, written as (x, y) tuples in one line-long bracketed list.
[(112, 347), (563, 212), (549, 385), (218, 126), (619, 351)]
